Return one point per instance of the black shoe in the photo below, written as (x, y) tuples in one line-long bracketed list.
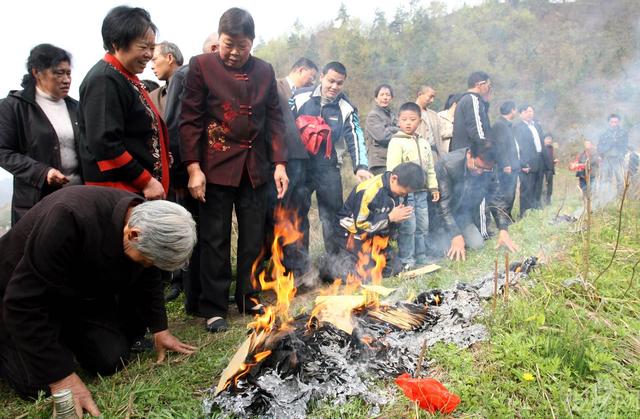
[(141, 345), (252, 306), (216, 324), (172, 294)]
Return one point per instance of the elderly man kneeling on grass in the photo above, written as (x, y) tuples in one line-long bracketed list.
[(80, 282), (466, 178)]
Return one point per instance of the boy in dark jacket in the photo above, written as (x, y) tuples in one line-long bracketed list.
[(373, 208)]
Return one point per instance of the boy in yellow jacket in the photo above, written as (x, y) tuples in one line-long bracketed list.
[(407, 146)]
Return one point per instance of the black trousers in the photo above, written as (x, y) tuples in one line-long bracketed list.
[(323, 178), (295, 256), (508, 185), (215, 244), (548, 186), (189, 279), (98, 332), (530, 191)]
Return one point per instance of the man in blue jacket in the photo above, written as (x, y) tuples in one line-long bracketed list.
[(330, 106)]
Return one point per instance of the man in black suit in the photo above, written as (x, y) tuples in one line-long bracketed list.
[(303, 74), (507, 153), (530, 135)]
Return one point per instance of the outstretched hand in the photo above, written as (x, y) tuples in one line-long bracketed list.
[(505, 240), (164, 341), (457, 250), (81, 394)]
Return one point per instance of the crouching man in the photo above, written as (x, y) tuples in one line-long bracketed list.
[(80, 280), (373, 208), (465, 178)]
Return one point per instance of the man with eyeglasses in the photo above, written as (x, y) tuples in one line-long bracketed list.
[(471, 123), (465, 178)]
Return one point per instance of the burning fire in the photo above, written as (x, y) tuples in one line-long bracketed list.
[(336, 304)]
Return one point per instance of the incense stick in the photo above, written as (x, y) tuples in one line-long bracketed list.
[(506, 282), (495, 284)]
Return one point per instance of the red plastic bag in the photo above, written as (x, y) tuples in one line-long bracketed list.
[(313, 132), (430, 394)]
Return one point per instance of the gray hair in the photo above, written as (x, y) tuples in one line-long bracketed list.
[(211, 40), (171, 48), (167, 233)]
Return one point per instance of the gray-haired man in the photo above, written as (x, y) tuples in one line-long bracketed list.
[(166, 60), (80, 281)]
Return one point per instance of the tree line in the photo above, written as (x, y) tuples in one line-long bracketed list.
[(575, 62)]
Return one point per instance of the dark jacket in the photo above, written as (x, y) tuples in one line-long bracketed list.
[(343, 119), (366, 210), (613, 144), (547, 158), (29, 147), (461, 193), (529, 156), (295, 148), (470, 122), (116, 135), (69, 250), (231, 120), (505, 145), (380, 125), (179, 177)]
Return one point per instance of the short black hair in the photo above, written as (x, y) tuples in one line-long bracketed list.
[(123, 25), (237, 22), (476, 77), (410, 107), (485, 150), (524, 107), (380, 87), (304, 62), (547, 134), (42, 57), (452, 100), (507, 107), (410, 175), (336, 66), (613, 115)]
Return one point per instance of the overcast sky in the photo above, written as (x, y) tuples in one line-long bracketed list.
[(75, 26)]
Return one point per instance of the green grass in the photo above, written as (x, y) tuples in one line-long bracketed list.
[(581, 347)]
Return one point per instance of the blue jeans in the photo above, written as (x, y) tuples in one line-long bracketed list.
[(412, 234)]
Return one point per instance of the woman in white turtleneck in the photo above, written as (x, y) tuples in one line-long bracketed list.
[(38, 130)]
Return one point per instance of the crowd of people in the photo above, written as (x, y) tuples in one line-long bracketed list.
[(127, 186)]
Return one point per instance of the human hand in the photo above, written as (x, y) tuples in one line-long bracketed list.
[(56, 178), (153, 190), (164, 341), (197, 181), (81, 394), (457, 251), (400, 213), (363, 174), (435, 196), (282, 180), (505, 240), (507, 169)]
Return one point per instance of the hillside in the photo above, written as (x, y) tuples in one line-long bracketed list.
[(576, 62)]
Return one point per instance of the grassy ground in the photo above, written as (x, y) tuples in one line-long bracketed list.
[(554, 351)]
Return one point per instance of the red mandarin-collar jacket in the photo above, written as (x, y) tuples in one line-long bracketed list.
[(231, 120)]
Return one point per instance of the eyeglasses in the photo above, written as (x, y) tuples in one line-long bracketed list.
[(489, 84), (480, 169)]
